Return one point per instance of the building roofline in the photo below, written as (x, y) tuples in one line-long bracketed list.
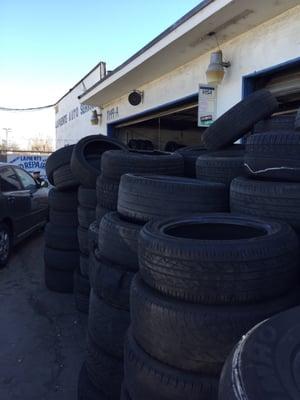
[(163, 34)]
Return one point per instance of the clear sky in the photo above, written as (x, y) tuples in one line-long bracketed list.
[(48, 45)]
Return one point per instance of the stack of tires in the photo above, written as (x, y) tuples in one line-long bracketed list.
[(86, 167), (61, 253), (203, 282)]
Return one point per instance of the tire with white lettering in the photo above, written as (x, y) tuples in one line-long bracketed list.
[(59, 280), (146, 197), (81, 291), (87, 197), (148, 379), (83, 241), (62, 201), (86, 216), (273, 156), (210, 332), (61, 238), (239, 120), (63, 218), (265, 363), (64, 179), (115, 163), (57, 159), (86, 157)]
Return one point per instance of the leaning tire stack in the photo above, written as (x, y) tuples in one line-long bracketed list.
[(202, 285), (61, 253), (86, 167)]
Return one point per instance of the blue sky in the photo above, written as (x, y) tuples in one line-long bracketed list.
[(47, 46)]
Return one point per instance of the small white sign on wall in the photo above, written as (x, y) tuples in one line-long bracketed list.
[(207, 105)]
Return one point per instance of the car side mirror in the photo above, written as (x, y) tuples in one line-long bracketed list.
[(44, 184)]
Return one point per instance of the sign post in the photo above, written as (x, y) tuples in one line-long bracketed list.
[(207, 105)]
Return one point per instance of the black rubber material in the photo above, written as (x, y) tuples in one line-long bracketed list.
[(58, 280), (116, 163), (297, 121), (62, 201), (124, 393), (221, 166), (190, 155), (87, 197), (64, 179), (57, 159), (86, 157), (149, 379), (239, 120), (118, 240), (86, 389), (265, 363), (195, 337), (273, 156), (81, 291), (93, 235), (62, 238), (110, 281), (108, 326), (61, 259), (86, 216), (63, 218), (146, 197), (266, 199), (100, 212), (106, 372), (219, 258), (107, 193), (282, 122), (83, 241), (84, 264)]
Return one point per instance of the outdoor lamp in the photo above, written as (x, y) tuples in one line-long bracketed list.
[(94, 118), (215, 71)]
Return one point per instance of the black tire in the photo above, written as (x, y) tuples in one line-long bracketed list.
[(87, 197), (105, 372), (84, 265), (107, 193), (86, 389), (273, 156), (149, 379), (297, 121), (110, 281), (264, 364), (64, 179), (59, 280), (61, 259), (86, 157), (86, 216), (190, 155), (57, 159), (265, 199), (100, 212), (219, 258), (146, 197), (195, 337), (93, 234), (81, 291), (60, 238), (221, 166), (83, 240), (108, 326), (6, 244), (94, 266), (239, 120), (118, 241), (116, 163), (62, 201), (63, 218), (277, 122), (173, 146), (124, 393)]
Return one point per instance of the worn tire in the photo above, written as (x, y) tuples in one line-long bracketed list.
[(149, 379), (277, 122), (266, 199), (84, 265), (61, 259), (107, 193), (57, 159), (62, 201), (265, 363), (195, 337), (273, 156), (93, 234), (63, 218), (87, 197), (86, 216), (64, 179), (83, 241), (86, 389), (146, 197), (100, 212), (219, 258), (221, 166), (86, 157), (118, 241), (59, 280), (61, 238), (239, 120), (190, 155), (116, 163)]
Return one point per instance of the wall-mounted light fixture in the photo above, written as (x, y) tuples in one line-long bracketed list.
[(135, 97), (95, 117), (215, 71)]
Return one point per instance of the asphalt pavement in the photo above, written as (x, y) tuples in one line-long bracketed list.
[(42, 336)]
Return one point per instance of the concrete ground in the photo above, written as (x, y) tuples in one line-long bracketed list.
[(42, 336)]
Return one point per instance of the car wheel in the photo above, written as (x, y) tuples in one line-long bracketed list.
[(5, 244)]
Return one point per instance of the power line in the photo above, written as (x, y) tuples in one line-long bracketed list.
[(26, 109)]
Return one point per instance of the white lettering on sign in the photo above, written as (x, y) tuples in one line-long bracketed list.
[(207, 105), (29, 163)]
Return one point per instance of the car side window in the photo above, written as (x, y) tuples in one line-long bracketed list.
[(9, 181), (27, 180)]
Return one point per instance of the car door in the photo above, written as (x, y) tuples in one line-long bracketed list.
[(38, 198)]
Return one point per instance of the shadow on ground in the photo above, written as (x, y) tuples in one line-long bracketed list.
[(42, 336)]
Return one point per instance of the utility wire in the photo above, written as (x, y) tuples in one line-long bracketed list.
[(26, 109)]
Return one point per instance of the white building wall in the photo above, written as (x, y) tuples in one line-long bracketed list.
[(274, 42)]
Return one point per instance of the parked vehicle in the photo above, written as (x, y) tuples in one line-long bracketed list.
[(23, 207)]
